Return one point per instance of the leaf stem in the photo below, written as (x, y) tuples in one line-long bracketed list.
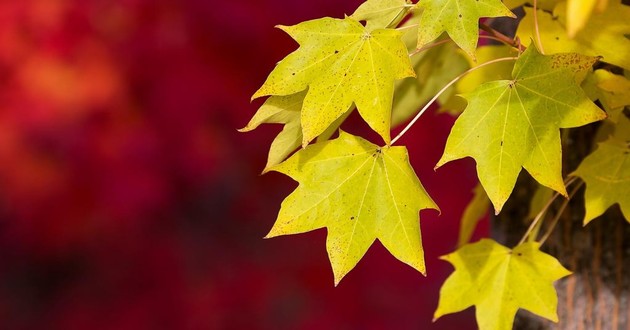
[(429, 46), (413, 121), (559, 213), (405, 27), (543, 211), (536, 28), (501, 37)]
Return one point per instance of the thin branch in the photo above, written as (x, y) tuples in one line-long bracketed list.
[(502, 37), (559, 213), (542, 212), (405, 27), (413, 121), (429, 46), (536, 29)]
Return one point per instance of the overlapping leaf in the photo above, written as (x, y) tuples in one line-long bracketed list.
[(280, 110), (510, 124), (612, 91), (379, 14), (498, 281), (458, 18), (605, 35), (606, 173), (360, 192), (340, 62)]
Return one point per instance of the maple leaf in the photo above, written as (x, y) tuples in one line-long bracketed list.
[(606, 172), (280, 110), (499, 281), (360, 192), (379, 14), (607, 28), (340, 62), (509, 124), (458, 18)]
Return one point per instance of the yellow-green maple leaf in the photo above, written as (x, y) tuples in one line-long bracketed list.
[(280, 110), (514, 124), (458, 18), (612, 91), (605, 35), (499, 281), (606, 172), (379, 14), (360, 192), (340, 62)]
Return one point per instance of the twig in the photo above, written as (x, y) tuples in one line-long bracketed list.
[(413, 121)]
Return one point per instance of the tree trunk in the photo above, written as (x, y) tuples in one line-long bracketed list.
[(597, 295)]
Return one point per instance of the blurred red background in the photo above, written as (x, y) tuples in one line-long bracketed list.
[(129, 201)]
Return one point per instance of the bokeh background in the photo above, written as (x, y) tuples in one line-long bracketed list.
[(128, 200)]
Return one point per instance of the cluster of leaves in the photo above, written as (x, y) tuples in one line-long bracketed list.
[(513, 102)]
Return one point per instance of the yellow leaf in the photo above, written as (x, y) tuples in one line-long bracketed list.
[(379, 14), (458, 18), (606, 173), (340, 62), (604, 36), (280, 110), (360, 192), (514, 124), (498, 281)]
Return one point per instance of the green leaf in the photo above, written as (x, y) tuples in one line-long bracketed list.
[(360, 192), (605, 35), (458, 18), (509, 124), (606, 172), (379, 14), (340, 62), (474, 211), (280, 110), (499, 281)]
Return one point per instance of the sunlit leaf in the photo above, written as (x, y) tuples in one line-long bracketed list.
[(498, 281), (458, 18), (360, 192), (340, 62), (605, 35), (606, 173), (379, 14), (514, 124)]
